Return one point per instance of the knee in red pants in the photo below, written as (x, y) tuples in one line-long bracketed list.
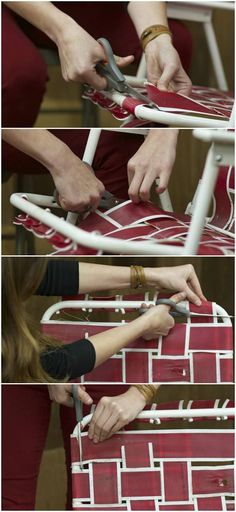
[(24, 75)]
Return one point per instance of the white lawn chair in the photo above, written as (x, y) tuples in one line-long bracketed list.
[(145, 229)]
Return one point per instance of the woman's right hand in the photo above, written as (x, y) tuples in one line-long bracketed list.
[(158, 319), (78, 188), (79, 53)]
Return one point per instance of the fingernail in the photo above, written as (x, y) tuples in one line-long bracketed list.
[(198, 302), (95, 440)]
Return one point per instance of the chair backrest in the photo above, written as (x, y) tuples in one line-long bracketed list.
[(164, 470), (197, 351)]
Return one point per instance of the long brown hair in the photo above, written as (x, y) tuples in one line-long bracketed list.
[(22, 339)]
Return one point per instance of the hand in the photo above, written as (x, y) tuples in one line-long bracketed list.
[(154, 159), (62, 394), (114, 412), (182, 278), (164, 68), (77, 186), (158, 320), (79, 53)]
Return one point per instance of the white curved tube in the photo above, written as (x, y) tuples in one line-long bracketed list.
[(209, 135), (93, 240), (227, 5), (157, 116), (99, 304), (175, 413)]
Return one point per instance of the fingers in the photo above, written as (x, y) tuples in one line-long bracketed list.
[(61, 394), (95, 80), (185, 87), (163, 183), (177, 297), (196, 287), (84, 396), (100, 416), (134, 187), (167, 76), (140, 185)]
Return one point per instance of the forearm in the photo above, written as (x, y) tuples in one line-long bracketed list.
[(144, 14), (94, 277), (39, 144), (43, 15), (110, 342)]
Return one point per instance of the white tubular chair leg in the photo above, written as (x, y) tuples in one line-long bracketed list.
[(202, 203), (215, 56), (88, 157), (165, 201)]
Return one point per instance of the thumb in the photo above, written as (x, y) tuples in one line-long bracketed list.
[(124, 61), (177, 297), (84, 396)]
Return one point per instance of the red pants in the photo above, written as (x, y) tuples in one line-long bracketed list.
[(25, 72), (25, 419), (110, 162)]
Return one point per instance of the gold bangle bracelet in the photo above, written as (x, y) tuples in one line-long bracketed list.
[(137, 277), (152, 32), (148, 391)]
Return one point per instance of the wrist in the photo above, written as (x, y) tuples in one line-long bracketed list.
[(62, 29), (136, 395), (161, 41), (153, 277), (59, 159)]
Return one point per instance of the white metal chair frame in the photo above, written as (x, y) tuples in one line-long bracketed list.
[(201, 12), (221, 413), (220, 153), (220, 320), (118, 306)]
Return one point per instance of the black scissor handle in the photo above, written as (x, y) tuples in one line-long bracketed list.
[(110, 70)]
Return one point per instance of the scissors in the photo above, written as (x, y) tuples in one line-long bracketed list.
[(178, 310), (107, 201), (115, 79), (79, 417)]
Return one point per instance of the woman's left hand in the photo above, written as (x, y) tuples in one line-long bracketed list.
[(182, 278), (164, 68), (154, 159), (62, 394), (114, 412)]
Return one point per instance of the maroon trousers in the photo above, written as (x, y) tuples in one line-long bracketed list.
[(24, 70), (110, 163), (26, 413)]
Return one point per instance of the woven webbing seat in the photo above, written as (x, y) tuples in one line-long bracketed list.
[(161, 470), (200, 350)]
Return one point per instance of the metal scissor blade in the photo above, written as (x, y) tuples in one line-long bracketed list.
[(212, 316), (139, 96), (79, 417), (79, 439), (109, 201)]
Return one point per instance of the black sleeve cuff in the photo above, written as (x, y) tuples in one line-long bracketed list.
[(69, 361), (61, 278)]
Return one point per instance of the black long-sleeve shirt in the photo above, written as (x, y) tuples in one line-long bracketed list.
[(77, 358)]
